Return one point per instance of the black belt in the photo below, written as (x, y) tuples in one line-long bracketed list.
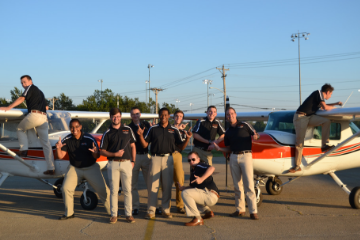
[(37, 111), (203, 148), (119, 160), (161, 154), (141, 152), (301, 113), (241, 152)]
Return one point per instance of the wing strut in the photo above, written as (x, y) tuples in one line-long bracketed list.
[(11, 153), (334, 149)]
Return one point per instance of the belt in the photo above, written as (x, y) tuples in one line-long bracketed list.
[(141, 152), (203, 148), (37, 111), (241, 152), (119, 160), (301, 113), (161, 155), (214, 192)]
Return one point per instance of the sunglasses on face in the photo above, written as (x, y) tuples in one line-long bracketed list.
[(192, 159)]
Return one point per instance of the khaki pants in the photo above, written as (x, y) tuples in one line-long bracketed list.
[(178, 177), (94, 177), (117, 170), (160, 166), (205, 156), (198, 199), (143, 162), (242, 172), (40, 123), (301, 122)]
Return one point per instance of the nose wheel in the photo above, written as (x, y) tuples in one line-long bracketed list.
[(354, 198), (273, 186)]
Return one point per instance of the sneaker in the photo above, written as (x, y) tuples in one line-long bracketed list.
[(130, 219), (166, 215), (181, 210), (326, 148), (63, 217), (150, 216), (135, 212), (237, 214), (295, 169), (254, 216), (113, 220)]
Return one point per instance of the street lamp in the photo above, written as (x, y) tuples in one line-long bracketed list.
[(101, 81), (177, 101), (298, 36), (149, 67), (207, 82), (146, 82)]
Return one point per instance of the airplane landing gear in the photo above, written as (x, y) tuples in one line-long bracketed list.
[(259, 196), (58, 184), (88, 199), (354, 198), (273, 186)]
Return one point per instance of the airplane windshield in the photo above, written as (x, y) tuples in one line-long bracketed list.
[(58, 121), (281, 121)]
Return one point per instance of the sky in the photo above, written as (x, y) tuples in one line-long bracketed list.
[(68, 46)]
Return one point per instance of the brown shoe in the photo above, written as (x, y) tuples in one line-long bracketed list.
[(195, 222), (130, 219), (295, 169), (113, 220), (254, 216), (326, 148), (181, 210), (166, 215), (49, 172), (150, 216), (22, 153), (237, 214), (208, 215)]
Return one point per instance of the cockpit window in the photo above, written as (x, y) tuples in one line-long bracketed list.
[(354, 128), (281, 121), (335, 131), (58, 121)]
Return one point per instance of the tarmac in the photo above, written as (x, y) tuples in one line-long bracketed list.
[(309, 208)]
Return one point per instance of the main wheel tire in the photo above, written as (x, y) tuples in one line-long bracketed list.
[(58, 183), (91, 200), (273, 186), (354, 198), (258, 199)]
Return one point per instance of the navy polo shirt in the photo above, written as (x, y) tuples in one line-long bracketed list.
[(239, 137), (208, 183), (34, 98), (207, 130), (134, 127), (312, 103)]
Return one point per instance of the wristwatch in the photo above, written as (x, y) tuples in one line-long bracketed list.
[(210, 141)]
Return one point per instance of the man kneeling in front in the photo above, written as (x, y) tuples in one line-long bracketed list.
[(202, 192)]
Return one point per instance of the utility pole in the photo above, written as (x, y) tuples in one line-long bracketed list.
[(223, 71), (53, 102), (156, 91)]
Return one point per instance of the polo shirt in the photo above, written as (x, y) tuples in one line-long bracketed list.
[(35, 99), (163, 139), (78, 150), (207, 130), (239, 137), (312, 103), (208, 183), (134, 127), (114, 140), (183, 135)]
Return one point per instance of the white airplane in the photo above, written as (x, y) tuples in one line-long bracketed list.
[(274, 152), (34, 164)]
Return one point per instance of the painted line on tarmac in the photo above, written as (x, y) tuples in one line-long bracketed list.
[(149, 229)]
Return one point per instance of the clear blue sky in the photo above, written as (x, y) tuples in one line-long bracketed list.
[(67, 46)]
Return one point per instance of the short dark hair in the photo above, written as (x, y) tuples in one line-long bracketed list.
[(164, 109), (229, 109), (115, 111), (74, 120), (193, 152), (327, 88), (211, 106), (26, 76), (134, 108), (179, 111)]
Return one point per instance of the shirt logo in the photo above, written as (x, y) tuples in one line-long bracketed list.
[(171, 130), (214, 126), (83, 144), (125, 131), (240, 125)]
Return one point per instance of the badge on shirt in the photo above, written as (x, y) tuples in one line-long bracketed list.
[(240, 125), (214, 126), (125, 131), (171, 130), (83, 144)]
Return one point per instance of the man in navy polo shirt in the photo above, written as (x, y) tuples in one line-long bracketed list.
[(36, 118), (118, 145), (83, 152)]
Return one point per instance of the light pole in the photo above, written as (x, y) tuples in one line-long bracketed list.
[(149, 67), (211, 95), (207, 82), (146, 98), (177, 101), (101, 81), (298, 36), (191, 104)]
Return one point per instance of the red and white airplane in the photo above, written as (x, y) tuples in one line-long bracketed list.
[(34, 164), (274, 152)]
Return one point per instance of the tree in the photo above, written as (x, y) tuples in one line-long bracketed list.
[(259, 126), (63, 102), (172, 108), (15, 94), (3, 102)]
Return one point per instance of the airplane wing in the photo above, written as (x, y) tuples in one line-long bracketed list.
[(351, 114), (13, 114), (243, 116)]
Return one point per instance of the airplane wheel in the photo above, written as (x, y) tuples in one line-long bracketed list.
[(258, 199), (273, 186), (91, 200), (58, 183), (354, 198)]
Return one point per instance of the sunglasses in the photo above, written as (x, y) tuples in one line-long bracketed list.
[(192, 159)]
